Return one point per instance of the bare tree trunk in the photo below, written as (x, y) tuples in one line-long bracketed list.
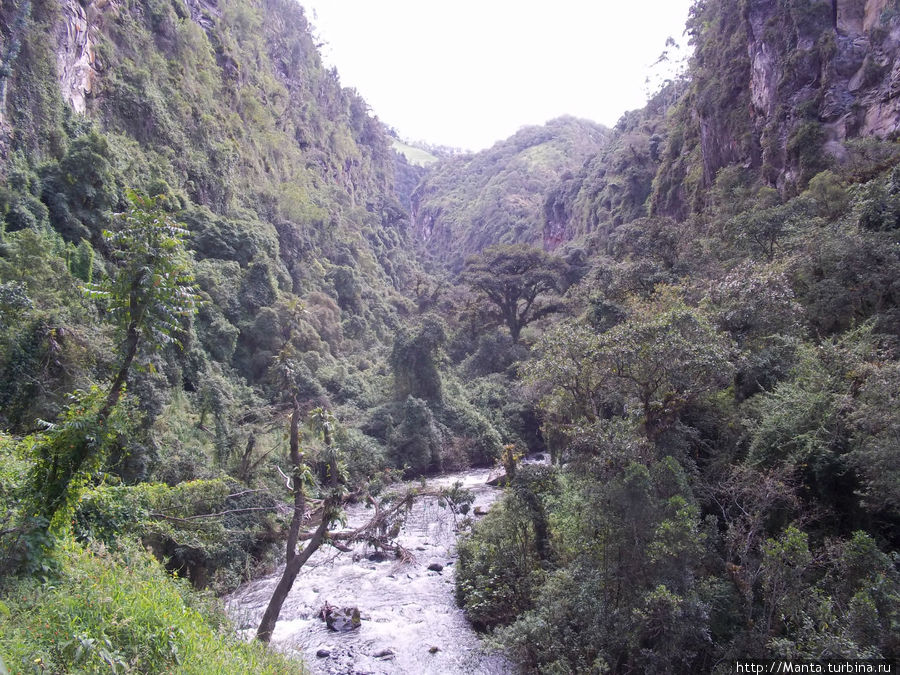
[(243, 471), (291, 570), (132, 337), (296, 561), (296, 484)]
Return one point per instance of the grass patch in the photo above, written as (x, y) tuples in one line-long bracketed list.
[(121, 613), (416, 156)]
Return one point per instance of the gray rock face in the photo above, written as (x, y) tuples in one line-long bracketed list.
[(836, 64), (75, 57)]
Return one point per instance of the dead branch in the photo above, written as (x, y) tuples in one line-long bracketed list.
[(188, 519)]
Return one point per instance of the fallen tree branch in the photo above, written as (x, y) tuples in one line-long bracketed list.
[(188, 519)]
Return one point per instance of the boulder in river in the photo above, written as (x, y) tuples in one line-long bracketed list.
[(341, 619), (435, 567)]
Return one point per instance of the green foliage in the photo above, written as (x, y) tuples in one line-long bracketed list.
[(804, 148), (416, 440), (497, 567), (612, 187), (50, 341), (829, 194), (120, 612), (846, 277), (829, 426), (875, 427), (518, 283), (659, 361), (82, 191), (468, 203), (475, 439), (211, 532), (705, 503), (876, 204), (65, 455), (151, 289), (626, 552), (414, 361)]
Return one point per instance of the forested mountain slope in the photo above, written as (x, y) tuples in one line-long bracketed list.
[(467, 203), (720, 395), (199, 237)]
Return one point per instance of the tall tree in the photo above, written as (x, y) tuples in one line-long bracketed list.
[(518, 281), (148, 293)]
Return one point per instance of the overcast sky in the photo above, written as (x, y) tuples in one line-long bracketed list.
[(468, 73)]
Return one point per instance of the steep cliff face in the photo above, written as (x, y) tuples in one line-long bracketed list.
[(780, 87), (75, 53), (847, 71)]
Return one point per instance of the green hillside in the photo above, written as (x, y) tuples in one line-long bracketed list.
[(414, 155), (469, 202)]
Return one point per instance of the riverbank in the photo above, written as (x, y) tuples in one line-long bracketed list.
[(410, 621)]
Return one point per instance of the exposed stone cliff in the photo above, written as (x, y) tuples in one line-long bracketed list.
[(780, 88), (75, 56)]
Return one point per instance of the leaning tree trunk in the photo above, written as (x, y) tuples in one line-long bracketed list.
[(291, 570), (295, 561), (53, 485), (296, 484)]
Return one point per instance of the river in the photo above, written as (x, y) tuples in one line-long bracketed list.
[(410, 621)]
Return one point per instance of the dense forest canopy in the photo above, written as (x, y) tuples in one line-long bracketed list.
[(205, 240)]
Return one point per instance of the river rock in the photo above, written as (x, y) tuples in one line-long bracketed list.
[(385, 654), (435, 567), (323, 653), (341, 619)]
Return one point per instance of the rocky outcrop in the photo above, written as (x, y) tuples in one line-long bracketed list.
[(75, 55), (836, 64), (204, 12), (779, 88), (340, 619)]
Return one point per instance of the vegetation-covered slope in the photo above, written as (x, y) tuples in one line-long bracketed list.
[(466, 203), (612, 186), (149, 379), (780, 88), (720, 402)]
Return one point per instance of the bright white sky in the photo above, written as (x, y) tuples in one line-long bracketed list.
[(468, 73)]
